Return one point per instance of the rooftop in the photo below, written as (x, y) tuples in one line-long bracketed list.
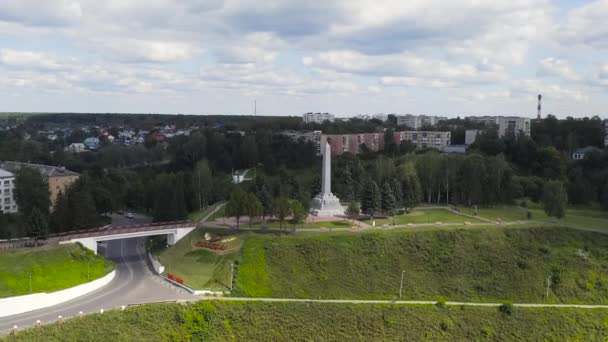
[(45, 170), (5, 174)]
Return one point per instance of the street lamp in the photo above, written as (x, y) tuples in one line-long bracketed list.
[(401, 285)]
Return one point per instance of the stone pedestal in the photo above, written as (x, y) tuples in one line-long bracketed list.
[(326, 205)]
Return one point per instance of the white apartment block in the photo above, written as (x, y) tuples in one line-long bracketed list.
[(426, 139), (7, 192), (318, 117), (418, 121), (513, 125), (486, 120)]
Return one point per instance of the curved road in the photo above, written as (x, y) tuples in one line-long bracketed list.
[(134, 284)]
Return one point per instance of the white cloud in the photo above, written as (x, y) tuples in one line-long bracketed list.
[(586, 26), (402, 69), (135, 50), (42, 13), (557, 67), (32, 60)]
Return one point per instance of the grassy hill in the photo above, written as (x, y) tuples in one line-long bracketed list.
[(490, 264), (52, 268), (223, 321)]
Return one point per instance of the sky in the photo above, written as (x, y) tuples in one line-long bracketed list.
[(347, 57)]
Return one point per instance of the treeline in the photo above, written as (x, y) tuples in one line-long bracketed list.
[(149, 121)]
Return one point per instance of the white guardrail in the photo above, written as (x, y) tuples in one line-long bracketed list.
[(20, 304)]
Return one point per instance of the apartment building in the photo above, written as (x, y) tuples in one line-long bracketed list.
[(317, 117), (58, 178), (353, 143), (513, 125), (419, 121), (425, 139), (7, 192)]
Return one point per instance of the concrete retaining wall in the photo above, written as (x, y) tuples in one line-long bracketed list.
[(20, 304), (158, 267)]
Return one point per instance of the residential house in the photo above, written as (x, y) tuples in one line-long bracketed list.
[(75, 148)]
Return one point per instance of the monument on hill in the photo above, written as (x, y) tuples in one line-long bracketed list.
[(326, 203)]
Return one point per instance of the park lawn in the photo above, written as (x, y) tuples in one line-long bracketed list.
[(257, 321), (579, 218), (52, 268), (418, 216), (200, 268), (486, 264), (498, 213), (275, 224)]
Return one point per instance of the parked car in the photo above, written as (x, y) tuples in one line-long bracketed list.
[(129, 215)]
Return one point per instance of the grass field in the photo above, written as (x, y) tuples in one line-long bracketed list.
[(237, 321), (288, 225), (201, 269), (490, 264), (51, 269), (580, 218), (425, 216)]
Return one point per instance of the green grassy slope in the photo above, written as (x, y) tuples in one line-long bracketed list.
[(491, 264), (51, 268), (200, 269), (223, 321)]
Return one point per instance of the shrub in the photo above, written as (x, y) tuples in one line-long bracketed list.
[(441, 302), (446, 324), (506, 308)]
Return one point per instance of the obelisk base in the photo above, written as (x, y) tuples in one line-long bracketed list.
[(326, 205)]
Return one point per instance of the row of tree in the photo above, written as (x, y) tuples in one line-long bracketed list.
[(243, 203)]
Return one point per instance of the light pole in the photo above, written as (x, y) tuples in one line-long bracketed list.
[(231, 275), (401, 285), (30, 282)]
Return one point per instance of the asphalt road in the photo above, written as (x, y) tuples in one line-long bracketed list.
[(134, 284)]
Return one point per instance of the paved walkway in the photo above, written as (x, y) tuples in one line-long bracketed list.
[(404, 302)]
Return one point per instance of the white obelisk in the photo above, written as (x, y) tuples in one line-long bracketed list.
[(326, 203)]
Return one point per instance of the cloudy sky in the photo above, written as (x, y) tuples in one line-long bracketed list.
[(341, 56)]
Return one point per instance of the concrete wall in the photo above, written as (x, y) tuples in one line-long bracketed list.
[(20, 304)]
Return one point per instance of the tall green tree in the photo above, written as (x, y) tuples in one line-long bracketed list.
[(298, 212), (237, 205), (203, 181), (348, 184), (37, 225), (31, 192), (83, 213), (254, 207), (353, 210), (555, 199), (281, 209), (388, 198), (397, 192), (371, 202), (265, 198)]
